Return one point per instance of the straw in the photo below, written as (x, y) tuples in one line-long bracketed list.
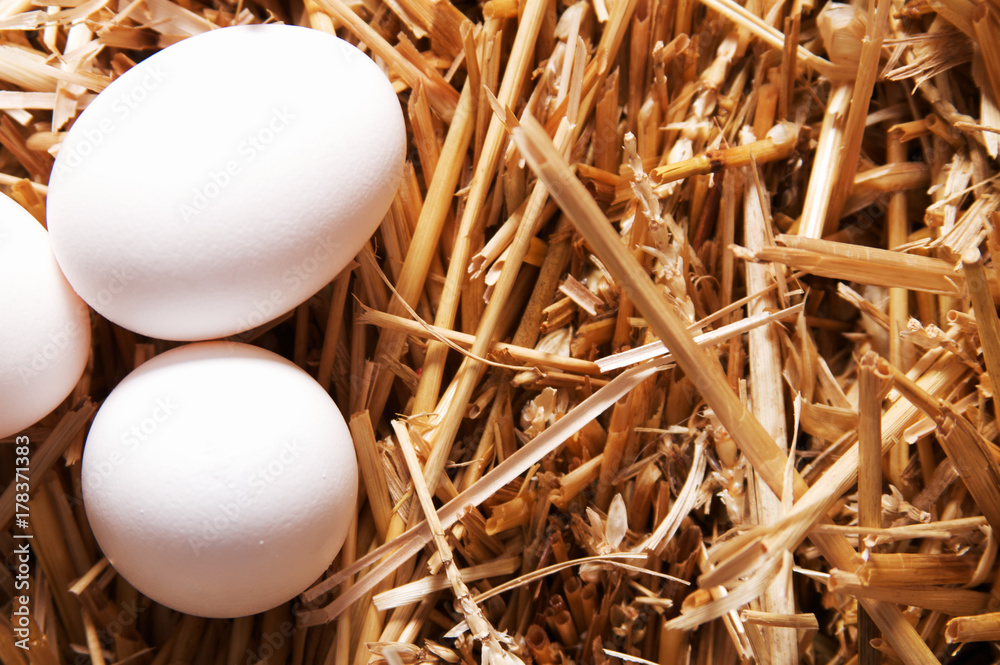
[(677, 343)]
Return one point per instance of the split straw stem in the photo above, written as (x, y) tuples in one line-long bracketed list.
[(703, 371)]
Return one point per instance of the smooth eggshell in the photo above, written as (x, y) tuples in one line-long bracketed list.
[(219, 479), (224, 180), (45, 334)]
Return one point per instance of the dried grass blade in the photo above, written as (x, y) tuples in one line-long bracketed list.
[(775, 39), (942, 529), (902, 569), (423, 246), (683, 505), (966, 448), (483, 177), (799, 621), (870, 442), (627, 657), (767, 401), (414, 592), (722, 334), (470, 370), (414, 539), (986, 318), (864, 84), (528, 578), (442, 97), (978, 467), (778, 145), (529, 357), (704, 372), (940, 599), (869, 266), (981, 628), (480, 627), (747, 591)]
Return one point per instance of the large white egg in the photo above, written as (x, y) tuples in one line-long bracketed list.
[(224, 180), (44, 326), (219, 479)]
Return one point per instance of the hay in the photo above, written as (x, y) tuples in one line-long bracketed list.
[(545, 339)]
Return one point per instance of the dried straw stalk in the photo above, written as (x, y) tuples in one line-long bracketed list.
[(583, 403)]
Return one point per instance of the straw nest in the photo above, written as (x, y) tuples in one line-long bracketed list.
[(686, 334)]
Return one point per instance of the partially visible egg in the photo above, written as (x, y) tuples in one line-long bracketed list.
[(219, 479), (224, 180), (44, 326)]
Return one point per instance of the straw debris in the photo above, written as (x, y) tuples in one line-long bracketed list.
[(677, 345)]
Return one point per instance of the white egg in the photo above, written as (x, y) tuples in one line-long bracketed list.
[(224, 180), (45, 334), (219, 479)]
